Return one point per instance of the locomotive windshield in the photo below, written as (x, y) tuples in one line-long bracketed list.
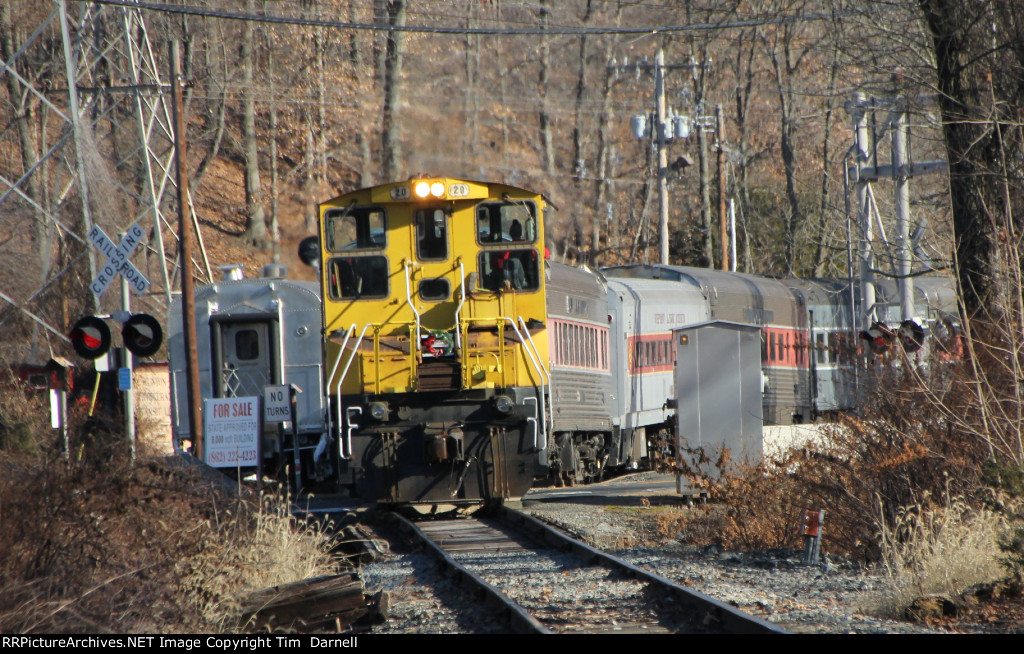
[(355, 228), (506, 222), (432, 234), (356, 278)]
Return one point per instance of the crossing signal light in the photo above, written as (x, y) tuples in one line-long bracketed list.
[(911, 335), (947, 334), (90, 337), (879, 337), (142, 335)]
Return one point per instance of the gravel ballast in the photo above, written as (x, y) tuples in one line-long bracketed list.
[(835, 596)]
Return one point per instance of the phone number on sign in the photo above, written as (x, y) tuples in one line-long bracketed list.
[(232, 456)]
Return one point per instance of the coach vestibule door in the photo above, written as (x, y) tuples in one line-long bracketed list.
[(247, 358)]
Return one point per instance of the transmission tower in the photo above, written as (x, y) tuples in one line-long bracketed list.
[(98, 154)]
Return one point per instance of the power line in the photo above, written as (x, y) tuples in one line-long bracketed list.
[(479, 31)]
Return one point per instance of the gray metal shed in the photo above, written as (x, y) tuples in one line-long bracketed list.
[(718, 391)]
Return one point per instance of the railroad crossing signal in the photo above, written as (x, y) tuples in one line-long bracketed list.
[(117, 260), (141, 333), (879, 337), (90, 337)]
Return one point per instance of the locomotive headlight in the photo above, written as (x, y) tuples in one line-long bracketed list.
[(437, 189), (422, 189), (504, 404), (379, 411)]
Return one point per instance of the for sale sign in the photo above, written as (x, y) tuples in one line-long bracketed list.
[(231, 430)]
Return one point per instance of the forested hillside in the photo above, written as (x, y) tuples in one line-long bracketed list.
[(290, 102)]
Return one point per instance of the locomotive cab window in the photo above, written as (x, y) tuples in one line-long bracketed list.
[(506, 222), (355, 228), (355, 278), (432, 234), (509, 269)]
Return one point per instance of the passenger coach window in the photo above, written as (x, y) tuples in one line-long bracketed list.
[(355, 228), (432, 234), (354, 278)]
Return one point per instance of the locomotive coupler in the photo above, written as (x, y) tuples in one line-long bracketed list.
[(444, 442)]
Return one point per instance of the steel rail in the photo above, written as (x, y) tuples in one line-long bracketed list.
[(513, 614), (707, 610), (705, 614)]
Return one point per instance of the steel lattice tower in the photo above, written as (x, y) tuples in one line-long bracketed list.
[(93, 127)]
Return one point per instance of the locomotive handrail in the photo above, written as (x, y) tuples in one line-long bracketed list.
[(545, 387), (530, 419), (330, 379), (536, 429), (408, 299), (538, 365), (349, 427), (355, 350), (458, 309), (533, 346)]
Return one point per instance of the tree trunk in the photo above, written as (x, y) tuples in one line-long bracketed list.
[(22, 115), (392, 168), (546, 138), (976, 192), (255, 219), (821, 248)]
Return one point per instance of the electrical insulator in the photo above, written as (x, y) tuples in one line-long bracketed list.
[(639, 124)]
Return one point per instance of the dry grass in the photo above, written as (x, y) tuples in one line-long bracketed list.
[(884, 477), (942, 550), (93, 544), (898, 452), (254, 550), (23, 417)]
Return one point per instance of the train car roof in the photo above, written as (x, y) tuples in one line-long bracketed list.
[(709, 280), (401, 182)]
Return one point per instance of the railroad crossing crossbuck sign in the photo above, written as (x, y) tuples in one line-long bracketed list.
[(117, 260)]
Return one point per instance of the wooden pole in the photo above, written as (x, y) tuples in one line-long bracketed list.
[(188, 311), (723, 218)]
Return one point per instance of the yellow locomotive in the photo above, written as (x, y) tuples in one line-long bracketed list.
[(435, 337)]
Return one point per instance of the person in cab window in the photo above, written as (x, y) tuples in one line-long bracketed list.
[(515, 231)]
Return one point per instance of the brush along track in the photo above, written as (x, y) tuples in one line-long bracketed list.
[(543, 581)]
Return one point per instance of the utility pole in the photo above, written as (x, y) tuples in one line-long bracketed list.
[(722, 211), (900, 175), (659, 96), (668, 125), (188, 304), (865, 171), (865, 255)]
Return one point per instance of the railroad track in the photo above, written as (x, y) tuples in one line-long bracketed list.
[(541, 580)]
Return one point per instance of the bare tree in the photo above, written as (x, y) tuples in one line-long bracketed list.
[(782, 46), (255, 218), (390, 128), (979, 59)]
